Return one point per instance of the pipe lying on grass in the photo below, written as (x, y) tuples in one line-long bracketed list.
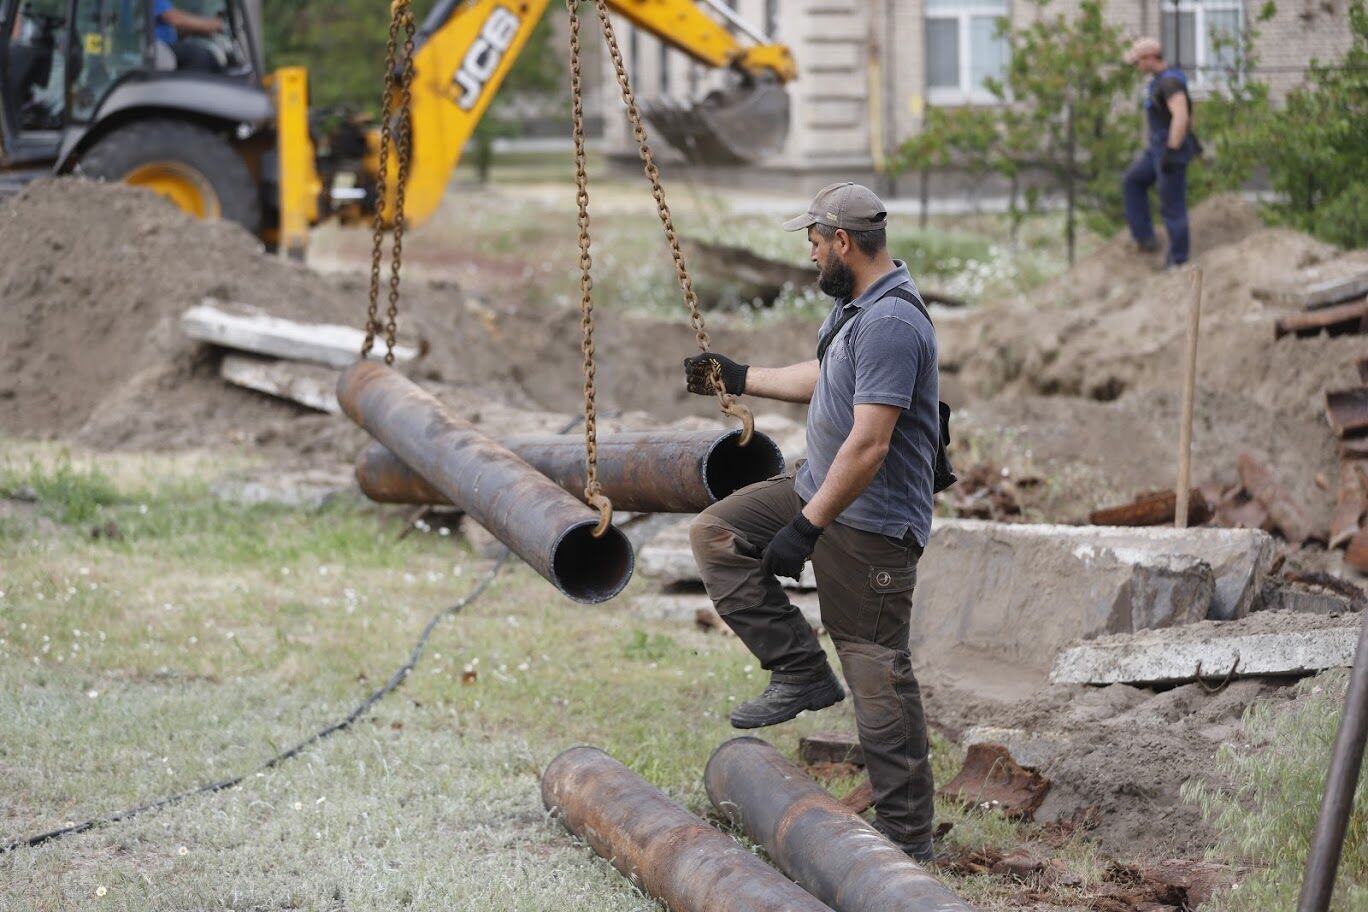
[(537, 520), (671, 854), (816, 840), (641, 472)]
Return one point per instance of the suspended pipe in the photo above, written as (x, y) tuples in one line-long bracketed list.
[(522, 508), (658, 845), (645, 472), (814, 839)]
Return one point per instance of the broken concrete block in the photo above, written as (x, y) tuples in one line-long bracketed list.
[(1319, 294), (1019, 592), (1266, 643), (669, 558), (252, 330), (310, 385), (1284, 595)]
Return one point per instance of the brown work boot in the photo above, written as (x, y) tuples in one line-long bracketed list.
[(784, 700)]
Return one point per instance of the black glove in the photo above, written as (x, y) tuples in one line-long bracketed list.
[(698, 369), (790, 549), (1168, 162)]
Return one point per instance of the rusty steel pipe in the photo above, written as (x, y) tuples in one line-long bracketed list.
[(538, 521), (668, 852), (814, 839), (641, 472)]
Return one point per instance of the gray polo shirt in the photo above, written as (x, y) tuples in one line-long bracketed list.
[(886, 354)]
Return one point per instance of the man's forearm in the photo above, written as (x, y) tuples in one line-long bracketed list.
[(1178, 126), (794, 383), (855, 465), (190, 24)]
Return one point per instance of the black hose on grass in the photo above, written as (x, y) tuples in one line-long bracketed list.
[(210, 787)]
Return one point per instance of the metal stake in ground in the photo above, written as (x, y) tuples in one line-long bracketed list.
[(1180, 513), (1346, 759)]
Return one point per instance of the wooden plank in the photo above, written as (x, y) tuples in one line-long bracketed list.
[(1153, 509), (1347, 410), (1286, 515), (1354, 448), (251, 330), (310, 385), (1344, 318)]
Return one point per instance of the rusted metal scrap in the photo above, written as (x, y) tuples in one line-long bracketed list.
[(541, 523), (991, 778), (662, 848), (830, 747), (1285, 514), (814, 839), (1343, 318), (1347, 410), (1356, 555), (1351, 500), (641, 472), (1156, 508)]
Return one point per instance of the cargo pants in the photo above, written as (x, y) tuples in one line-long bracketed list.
[(864, 589)]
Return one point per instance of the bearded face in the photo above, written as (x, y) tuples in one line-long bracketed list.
[(835, 278)]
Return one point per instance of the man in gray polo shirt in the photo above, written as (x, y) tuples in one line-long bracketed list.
[(859, 507)]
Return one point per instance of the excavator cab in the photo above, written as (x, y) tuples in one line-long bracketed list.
[(95, 86)]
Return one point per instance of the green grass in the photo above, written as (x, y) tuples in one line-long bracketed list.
[(1266, 817)]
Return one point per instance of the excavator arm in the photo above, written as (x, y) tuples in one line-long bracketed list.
[(465, 49)]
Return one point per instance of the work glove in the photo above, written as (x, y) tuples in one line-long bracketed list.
[(697, 371), (1168, 162), (790, 549)]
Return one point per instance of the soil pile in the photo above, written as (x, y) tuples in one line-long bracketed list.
[(1089, 367), (98, 275)]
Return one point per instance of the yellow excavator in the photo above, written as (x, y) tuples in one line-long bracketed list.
[(97, 88)]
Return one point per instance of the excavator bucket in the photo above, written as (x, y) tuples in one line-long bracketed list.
[(737, 125)]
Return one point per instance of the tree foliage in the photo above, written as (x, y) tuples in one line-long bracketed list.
[(1062, 123)]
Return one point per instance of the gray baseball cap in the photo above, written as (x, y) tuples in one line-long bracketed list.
[(846, 205)]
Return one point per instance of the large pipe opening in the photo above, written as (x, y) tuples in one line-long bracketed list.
[(729, 467), (589, 569)]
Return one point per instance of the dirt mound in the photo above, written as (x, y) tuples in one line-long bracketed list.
[(1112, 331), (97, 277)]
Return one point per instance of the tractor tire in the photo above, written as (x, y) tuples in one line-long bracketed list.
[(192, 166)]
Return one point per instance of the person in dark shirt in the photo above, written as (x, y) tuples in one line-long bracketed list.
[(171, 24), (1169, 146)]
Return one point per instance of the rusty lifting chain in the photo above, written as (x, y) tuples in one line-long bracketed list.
[(593, 491), (398, 75)]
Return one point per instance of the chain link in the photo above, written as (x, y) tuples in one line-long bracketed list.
[(593, 492), (729, 404), (401, 19)]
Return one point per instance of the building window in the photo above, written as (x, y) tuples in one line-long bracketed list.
[(1202, 37), (963, 48)]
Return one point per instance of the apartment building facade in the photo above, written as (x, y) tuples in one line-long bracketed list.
[(869, 69)]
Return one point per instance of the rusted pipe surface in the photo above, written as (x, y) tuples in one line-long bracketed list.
[(641, 472), (816, 840), (671, 854), (538, 521)]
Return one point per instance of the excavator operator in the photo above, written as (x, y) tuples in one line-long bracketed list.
[(859, 507), (172, 25)]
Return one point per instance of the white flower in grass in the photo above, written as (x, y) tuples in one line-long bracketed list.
[(182, 851), (100, 890), (299, 805)]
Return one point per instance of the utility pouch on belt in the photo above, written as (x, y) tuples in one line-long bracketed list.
[(944, 474)]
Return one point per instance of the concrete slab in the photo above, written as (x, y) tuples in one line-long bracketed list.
[(310, 385), (252, 330), (1266, 643)]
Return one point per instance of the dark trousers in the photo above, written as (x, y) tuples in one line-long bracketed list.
[(864, 587), (1144, 173), (195, 57)]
